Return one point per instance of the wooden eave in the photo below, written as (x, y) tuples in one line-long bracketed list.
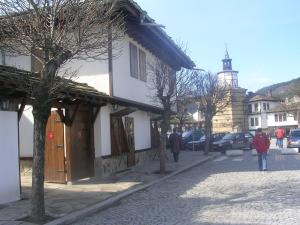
[(154, 38), (15, 83)]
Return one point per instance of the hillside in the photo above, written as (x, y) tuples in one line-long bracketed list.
[(282, 90)]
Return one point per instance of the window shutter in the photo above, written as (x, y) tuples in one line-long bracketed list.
[(142, 65), (133, 61)]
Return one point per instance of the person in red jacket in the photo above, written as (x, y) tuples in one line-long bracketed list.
[(280, 136), (261, 143)]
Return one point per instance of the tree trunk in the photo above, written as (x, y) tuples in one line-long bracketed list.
[(162, 148), (38, 204), (208, 131), (41, 110)]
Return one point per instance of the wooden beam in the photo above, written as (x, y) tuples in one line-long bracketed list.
[(21, 109), (94, 115), (61, 115)]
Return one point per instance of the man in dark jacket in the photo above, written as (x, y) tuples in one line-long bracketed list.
[(261, 143), (175, 144)]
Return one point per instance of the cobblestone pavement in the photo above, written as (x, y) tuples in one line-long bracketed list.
[(227, 190)]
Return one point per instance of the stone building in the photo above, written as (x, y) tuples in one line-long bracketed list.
[(234, 117)]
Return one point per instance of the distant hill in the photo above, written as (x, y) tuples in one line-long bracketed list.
[(282, 90)]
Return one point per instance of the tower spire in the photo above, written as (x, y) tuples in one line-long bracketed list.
[(226, 52), (227, 60)]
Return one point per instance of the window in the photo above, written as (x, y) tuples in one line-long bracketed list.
[(276, 117), (137, 63), (252, 122), (256, 107), (295, 116), (256, 122), (268, 106), (264, 106), (284, 117), (280, 117), (142, 65), (133, 61), (249, 108)]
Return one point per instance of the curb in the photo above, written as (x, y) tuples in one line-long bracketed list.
[(72, 217)]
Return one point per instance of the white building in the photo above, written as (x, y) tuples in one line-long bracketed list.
[(268, 113), (129, 114)]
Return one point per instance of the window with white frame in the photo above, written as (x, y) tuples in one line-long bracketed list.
[(268, 106), (280, 117), (252, 122), (134, 71), (137, 63), (264, 106), (256, 122)]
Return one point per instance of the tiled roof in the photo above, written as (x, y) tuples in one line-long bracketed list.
[(263, 98)]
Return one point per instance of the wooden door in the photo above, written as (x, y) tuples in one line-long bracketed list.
[(81, 146), (129, 129), (54, 150)]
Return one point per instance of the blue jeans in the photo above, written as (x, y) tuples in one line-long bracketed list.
[(262, 161), (280, 142)]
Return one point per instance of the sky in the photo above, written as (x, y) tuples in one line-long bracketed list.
[(262, 36)]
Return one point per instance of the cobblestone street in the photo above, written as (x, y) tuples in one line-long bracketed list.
[(227, 190)]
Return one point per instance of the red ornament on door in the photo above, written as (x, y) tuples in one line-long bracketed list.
[(50, 135)]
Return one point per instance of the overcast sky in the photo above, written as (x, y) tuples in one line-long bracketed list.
[(263, 36)]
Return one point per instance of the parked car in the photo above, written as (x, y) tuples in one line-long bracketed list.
[(189, 136), (293, 140), (239, 140), (200, 144)]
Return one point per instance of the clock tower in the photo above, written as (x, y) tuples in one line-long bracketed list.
[(228, 76), (233, 117)]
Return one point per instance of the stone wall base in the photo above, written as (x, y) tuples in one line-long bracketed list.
[(26, 167), (103, 166), (106, 166)]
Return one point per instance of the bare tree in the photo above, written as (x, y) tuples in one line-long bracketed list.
[(167, 85), (54, 32), (182, 115), (212, 97)]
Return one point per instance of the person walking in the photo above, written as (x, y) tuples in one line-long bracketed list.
[(261, 143), (280, 136), (175, 144)]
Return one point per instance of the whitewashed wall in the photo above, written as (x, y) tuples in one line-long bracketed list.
[(93, 72), (20, 62), (9, 160), (289, 120), (124, 85), (142, 132), (102, 132), (26, 133)]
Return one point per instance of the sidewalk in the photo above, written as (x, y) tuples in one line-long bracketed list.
[(65, 200)]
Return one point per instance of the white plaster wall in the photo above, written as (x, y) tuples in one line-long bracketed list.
[(92, 72), (26, 132), (142, 132), (97, 135), (289, 120), (124, 85), (20, 61), (103, 144), (9, 160)]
